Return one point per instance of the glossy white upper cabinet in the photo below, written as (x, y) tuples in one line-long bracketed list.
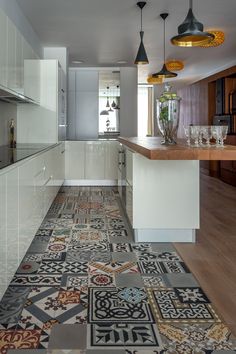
[(3, 51), (32, 79), (11, 55), (19, 65), (14, 50)]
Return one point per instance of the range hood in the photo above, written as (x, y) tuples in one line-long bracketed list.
[(11, 96)]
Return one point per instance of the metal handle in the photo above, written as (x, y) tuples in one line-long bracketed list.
[(48, 180)]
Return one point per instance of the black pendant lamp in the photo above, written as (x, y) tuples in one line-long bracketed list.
[(164, 73), (104, 113), (108, 102), (191, 32), (141, 57)]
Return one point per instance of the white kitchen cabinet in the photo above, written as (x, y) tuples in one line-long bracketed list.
[(28, 206), (32, 79), (11, 55), (94, 160), (12, 208), (91, 162), (27, 190), (75, 160), (111, 159), (3, 51), (3, 236), (19, 64)]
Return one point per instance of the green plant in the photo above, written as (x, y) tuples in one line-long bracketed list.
[(164, 113)]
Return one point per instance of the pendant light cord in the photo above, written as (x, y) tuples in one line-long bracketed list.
[(141, 20), (191, 4), (164, 41)]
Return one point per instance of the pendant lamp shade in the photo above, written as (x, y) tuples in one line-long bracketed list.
[(141, 58), (164, 73), (104, 113), (191, 32)]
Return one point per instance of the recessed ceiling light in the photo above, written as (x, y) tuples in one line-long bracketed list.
[(121, 62), (77, 61)]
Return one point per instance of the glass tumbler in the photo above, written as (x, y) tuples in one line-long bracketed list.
[(223, 135), (195, 134), (187, 132)]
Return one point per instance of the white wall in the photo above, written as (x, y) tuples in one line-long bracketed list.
[(128, 102), (7, 112), (13, 11), (59, 53)]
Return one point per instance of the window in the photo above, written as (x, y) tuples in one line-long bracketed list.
[(145, 110)]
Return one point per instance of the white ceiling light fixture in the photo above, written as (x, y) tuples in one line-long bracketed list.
[(121, 62), (77, 62)]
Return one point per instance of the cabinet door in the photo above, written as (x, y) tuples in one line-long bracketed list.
[(129, 203), (12, 191), (32, 79), (3, 236), (28, 205), (129, 166), (75, 160), (94, 160), (111, 162), (3, 51), (11, 55), (19, 64)]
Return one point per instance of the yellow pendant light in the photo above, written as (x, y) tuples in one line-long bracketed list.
[(218, 40), (154, 80), (174, 65)]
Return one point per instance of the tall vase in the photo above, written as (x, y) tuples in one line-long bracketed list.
[(168, 105)]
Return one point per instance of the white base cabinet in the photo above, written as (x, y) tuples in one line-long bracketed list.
[(161, 198), (27, 190), (91, 163)]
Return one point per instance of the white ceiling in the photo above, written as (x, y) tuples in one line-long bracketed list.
[(101, 32)]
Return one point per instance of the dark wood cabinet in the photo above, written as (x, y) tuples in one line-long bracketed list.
[(228, 168)]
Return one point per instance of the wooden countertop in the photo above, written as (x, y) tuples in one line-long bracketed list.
[(151, 148)]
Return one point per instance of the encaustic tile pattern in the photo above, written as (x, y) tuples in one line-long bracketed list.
[(85, 287)]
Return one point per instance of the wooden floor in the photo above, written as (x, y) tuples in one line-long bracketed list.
[(213, 258)]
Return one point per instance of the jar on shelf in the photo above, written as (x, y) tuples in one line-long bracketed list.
[(168, 105)]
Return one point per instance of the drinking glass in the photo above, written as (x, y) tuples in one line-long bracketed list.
[(187, 133), (195, 134), (200, 138), (206, 134), (216, 134), (223, 136)]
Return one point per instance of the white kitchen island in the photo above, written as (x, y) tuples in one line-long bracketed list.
[(161, 186)]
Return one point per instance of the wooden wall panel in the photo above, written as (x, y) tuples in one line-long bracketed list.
[(194, 105)]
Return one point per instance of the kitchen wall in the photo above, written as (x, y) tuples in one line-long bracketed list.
[(194, 105), (13, 11), (7, 112)]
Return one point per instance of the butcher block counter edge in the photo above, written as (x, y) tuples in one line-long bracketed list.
[(151, 148)]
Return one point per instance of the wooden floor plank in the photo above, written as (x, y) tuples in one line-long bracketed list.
[(213, 258)]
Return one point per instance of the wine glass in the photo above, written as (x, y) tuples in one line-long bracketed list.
[(206, 134), (195, 134), (223, 136), (216, 134), (187, 133)]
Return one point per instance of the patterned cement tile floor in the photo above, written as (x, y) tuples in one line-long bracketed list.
[(84, 287)]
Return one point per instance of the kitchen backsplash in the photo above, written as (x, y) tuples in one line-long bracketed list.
[(7, 112)]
